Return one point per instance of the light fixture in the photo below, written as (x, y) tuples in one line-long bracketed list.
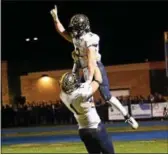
[(44, 75), (45, 78), (27, 39), (31, 39), (35, 38)]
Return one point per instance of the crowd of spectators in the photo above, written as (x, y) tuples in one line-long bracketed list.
[(50, 113), (42, 113), (152, 98), (36, 113)]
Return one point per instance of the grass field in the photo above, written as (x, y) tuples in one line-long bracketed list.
[(75, 132), (48, 140), (155, 146)]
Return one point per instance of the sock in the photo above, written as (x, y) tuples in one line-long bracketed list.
[(114, 101)]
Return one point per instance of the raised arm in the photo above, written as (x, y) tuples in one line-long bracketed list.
[(58, 25), (76, 65)]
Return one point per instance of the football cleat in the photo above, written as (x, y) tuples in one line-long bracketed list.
[(132, 122)]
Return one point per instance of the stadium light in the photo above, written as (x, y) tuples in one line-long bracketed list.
[(45, 83), (27, 39), (35, 38), (45, 78), (31, 39)]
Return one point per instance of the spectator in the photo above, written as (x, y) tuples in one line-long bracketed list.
[(142, 99), (45, 113), (151, 98), (160, 98)]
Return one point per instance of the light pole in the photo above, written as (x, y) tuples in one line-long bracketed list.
[(166, 51)]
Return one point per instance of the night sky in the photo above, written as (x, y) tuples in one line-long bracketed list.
[(129, 32)]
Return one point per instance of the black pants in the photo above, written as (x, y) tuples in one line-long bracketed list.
[(96, 140)]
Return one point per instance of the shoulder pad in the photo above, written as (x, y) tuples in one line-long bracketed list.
[(91, 39)]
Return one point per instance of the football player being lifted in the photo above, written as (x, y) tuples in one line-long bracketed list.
[(86, 56)]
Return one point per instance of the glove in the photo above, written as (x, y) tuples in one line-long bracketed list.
[(54, 13)]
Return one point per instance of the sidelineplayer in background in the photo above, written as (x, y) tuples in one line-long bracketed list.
[(79, 100), (87, 54)]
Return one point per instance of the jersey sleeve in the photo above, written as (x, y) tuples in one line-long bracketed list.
[(92, 40), (86, 91)]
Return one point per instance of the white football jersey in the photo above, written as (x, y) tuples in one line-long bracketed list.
[(80, 102), (81, 45)]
